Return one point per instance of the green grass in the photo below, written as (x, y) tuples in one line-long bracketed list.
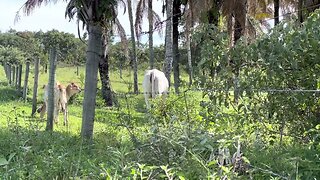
[(31, 144), (34, 153), (131, 142), (10, 98)]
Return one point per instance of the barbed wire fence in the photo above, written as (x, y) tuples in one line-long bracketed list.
[(183, 94), (185, 97)]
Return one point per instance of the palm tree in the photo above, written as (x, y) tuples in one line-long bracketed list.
[(150, 19), (94, 14), (133, 54), (106, 91), (168, 41), (153, 19), (189, 21), (175, 42), (276, 5)]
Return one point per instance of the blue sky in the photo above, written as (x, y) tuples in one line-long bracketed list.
[(52, 16)]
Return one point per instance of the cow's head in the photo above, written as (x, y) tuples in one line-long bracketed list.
[(73, 88)]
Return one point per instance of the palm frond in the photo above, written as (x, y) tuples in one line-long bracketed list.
[(30, 5), (141, 8), (124, 6), (157, 23), (122, 33)]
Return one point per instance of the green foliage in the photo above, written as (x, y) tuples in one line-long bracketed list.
[(193, 135), (37, 45), (268, 75), (172, 140), (71, 49), (11, 55)]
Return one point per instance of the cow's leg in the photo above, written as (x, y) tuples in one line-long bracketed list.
[(65, 112), (57, 116), (43, 110), (146, 97), (41, 107), (56, 113)]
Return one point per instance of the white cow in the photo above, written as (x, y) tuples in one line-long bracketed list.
[(154, 84)]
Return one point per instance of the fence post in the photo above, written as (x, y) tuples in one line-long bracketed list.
[(51, 84), (35, 86), (10, 74), (19, 78), (26, 78), (13, 75)]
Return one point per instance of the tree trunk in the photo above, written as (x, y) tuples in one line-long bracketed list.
[(300, 14), (94, 55), (168, 39), (104, 74), (51, 84), (189, 59), (105, 81), (175, 38), (26, 79), (238, 31), (150, 20), (35, 86), (133, 54), (19, 78), (276, 6)]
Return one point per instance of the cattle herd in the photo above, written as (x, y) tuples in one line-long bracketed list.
[(154, 84)]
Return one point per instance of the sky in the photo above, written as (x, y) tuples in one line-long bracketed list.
[(52, 16)]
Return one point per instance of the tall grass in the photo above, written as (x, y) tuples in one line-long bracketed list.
[(174, 140)]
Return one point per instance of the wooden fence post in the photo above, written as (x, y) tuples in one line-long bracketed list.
[(35, 86), (26, 78), (19, 78), (13, 67), (10, 74), (51, 84)]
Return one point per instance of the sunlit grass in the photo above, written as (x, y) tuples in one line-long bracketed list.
[(11, 102)]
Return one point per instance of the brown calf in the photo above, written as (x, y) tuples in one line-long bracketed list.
[(62, 96)]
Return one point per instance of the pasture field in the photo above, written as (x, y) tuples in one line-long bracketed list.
[(26, 147), (171, 141)]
